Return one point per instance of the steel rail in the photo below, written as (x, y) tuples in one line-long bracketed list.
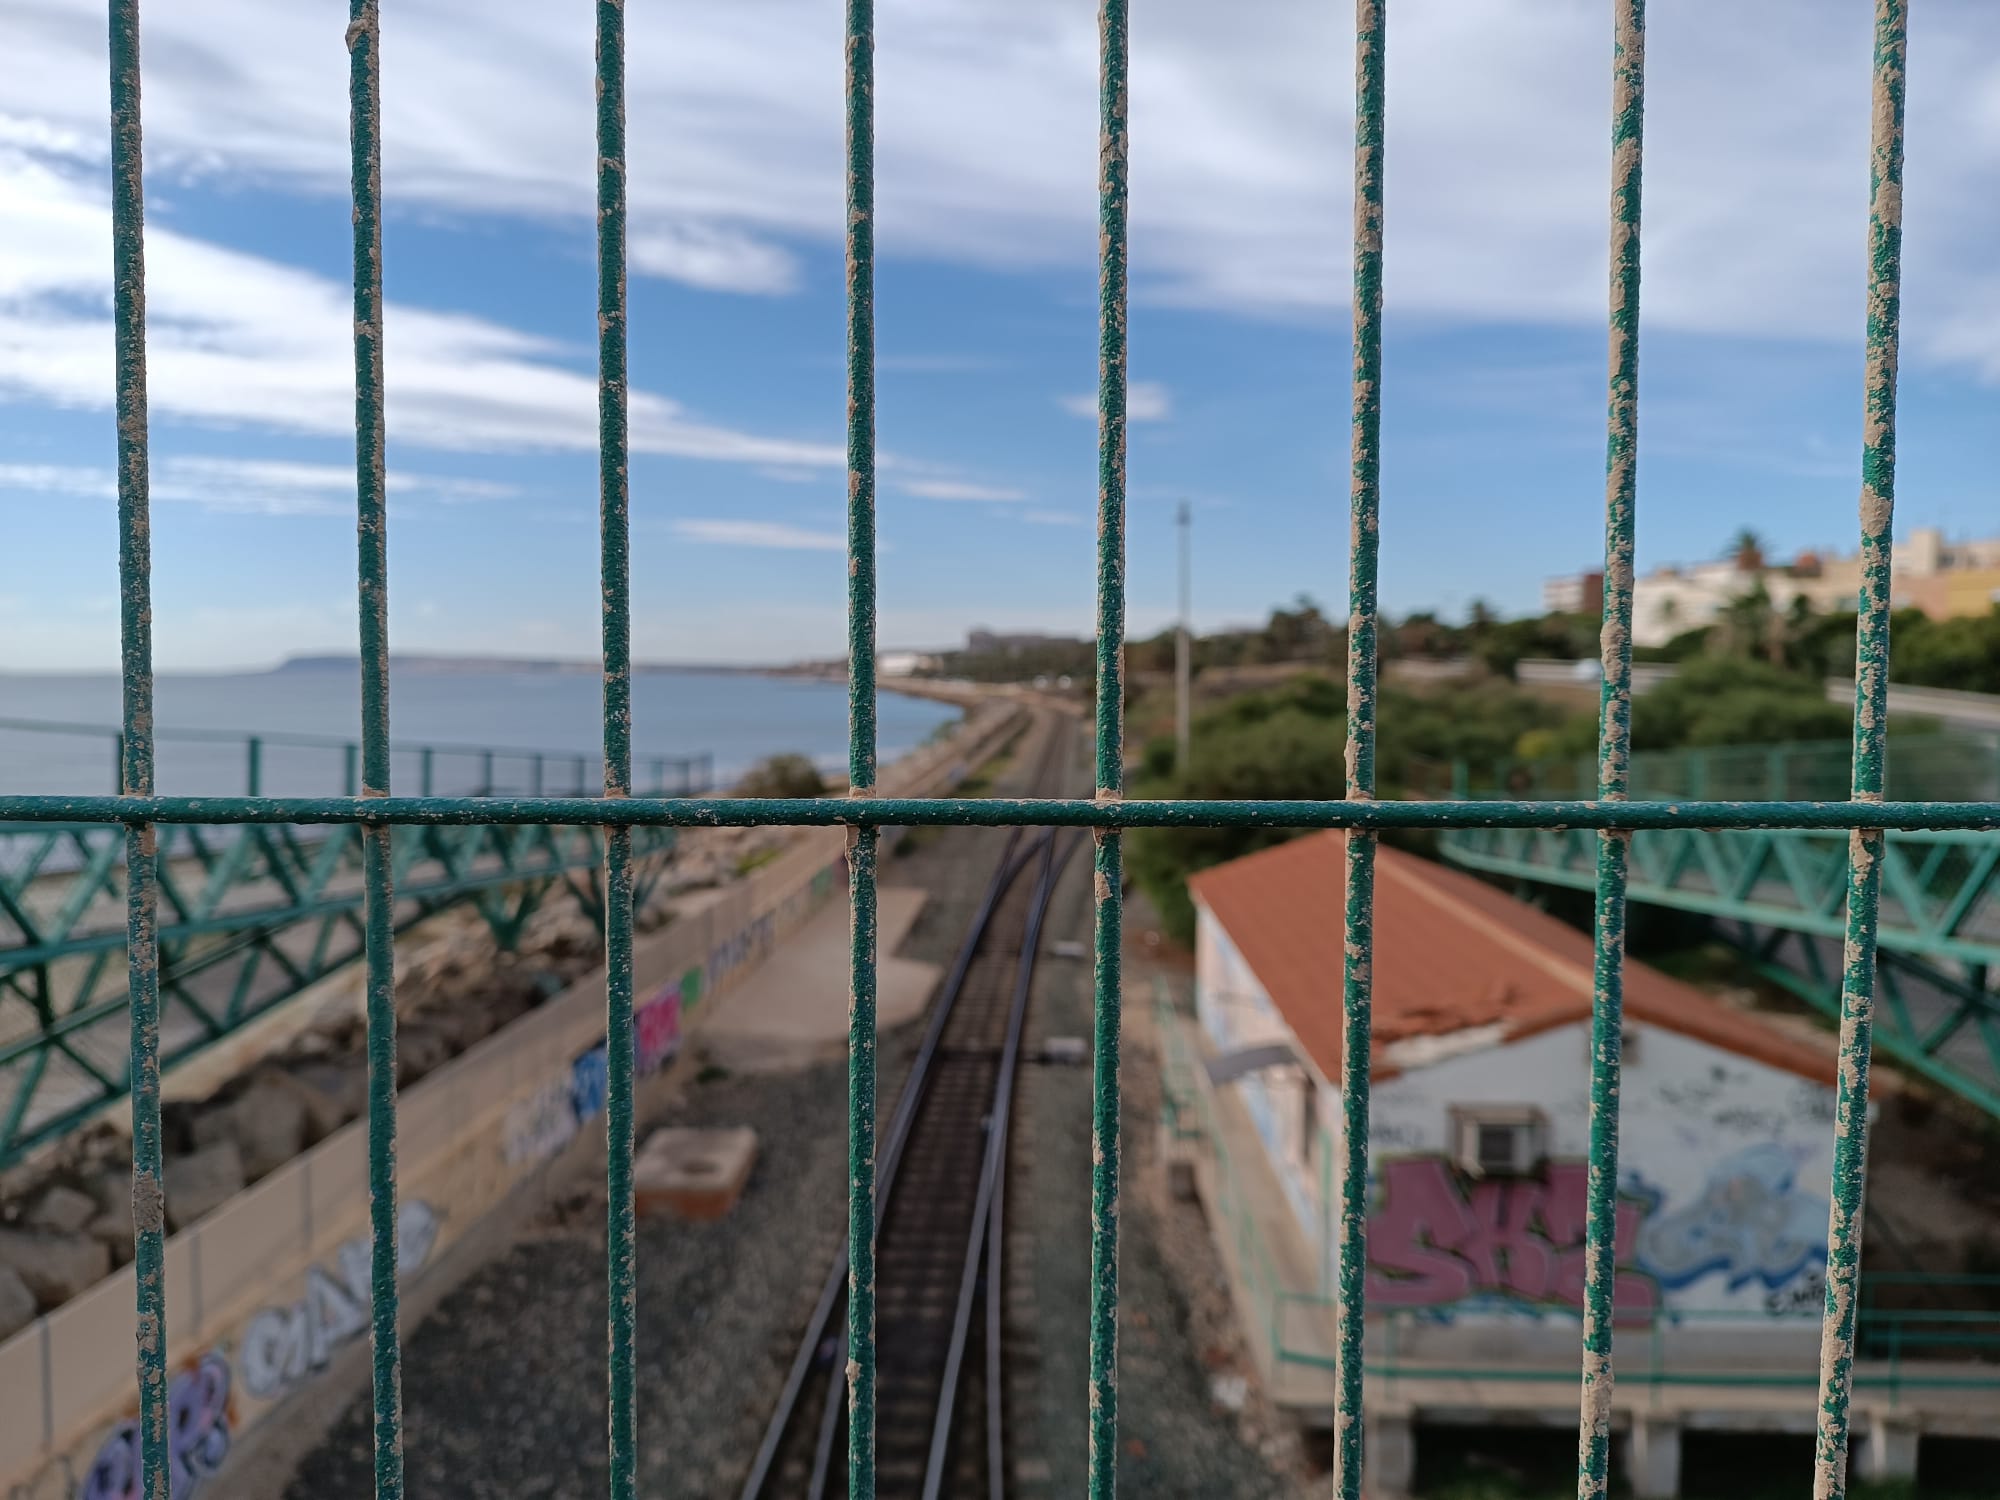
[(1004, 872), (1012, 861), (986, 1227)]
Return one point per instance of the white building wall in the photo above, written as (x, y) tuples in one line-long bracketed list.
[(1725, 1166), (1724, 1171), (1237, 1014)]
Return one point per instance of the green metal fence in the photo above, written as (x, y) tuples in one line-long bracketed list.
[(138, 809), (1952, 765)]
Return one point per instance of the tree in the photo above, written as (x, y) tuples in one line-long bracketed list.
[(1289, 742), (1746, 550), (1745, 627), (788, 775), (1728, 700)]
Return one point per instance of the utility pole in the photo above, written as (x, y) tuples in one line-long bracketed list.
[(1183, 649)]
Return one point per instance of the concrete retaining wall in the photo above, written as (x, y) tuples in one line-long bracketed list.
[(266, 1292)]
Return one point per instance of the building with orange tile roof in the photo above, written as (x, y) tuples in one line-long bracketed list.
[(1480, 1111)]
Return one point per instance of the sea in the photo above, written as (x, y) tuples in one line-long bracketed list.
[(58, 733)]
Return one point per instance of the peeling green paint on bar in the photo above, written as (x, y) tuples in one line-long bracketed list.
[(1614, 745), (1113, 190), (1871, 716), (135, 593), (861, 746), (138, 809), (1364, 546), (615, 563), (364, 46)]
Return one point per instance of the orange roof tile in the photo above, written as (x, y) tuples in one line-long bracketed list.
[(1451, 952)]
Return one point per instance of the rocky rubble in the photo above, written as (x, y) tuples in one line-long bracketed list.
[(454, 987)]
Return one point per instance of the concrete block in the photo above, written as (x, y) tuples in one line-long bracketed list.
[(268, 1124), (114, 1233), (17, 1303), (1390, 1453), (63, 1210), (693, 1174), (420, 1049), (1653, 1457), (54, 1267), (1888, 1447), (201, 1182), (332, 1093)]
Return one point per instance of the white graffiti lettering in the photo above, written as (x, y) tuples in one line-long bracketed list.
[(1749, 1224), (285, 1344)]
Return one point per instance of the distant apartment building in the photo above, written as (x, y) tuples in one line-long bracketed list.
[(1573, 594), (1941, 577), (904, 663)]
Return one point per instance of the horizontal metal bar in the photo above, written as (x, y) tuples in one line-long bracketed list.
[(997, 812), (1729, 1379)]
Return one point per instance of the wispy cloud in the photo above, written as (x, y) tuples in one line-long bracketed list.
[(1145, 401), (270, 487), (235, 338), (772, 534), (1497, 132), (959, 489)]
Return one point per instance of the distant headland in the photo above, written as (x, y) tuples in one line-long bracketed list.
[(514, 665)]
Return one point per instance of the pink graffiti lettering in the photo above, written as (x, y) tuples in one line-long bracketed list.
[(197, 1438), (658, 1023), (1434, 1240)]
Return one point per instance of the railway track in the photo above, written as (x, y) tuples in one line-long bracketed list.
[(939, 1426)]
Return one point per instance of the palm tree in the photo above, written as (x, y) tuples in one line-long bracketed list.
[(1747, 551), (1746, 626)]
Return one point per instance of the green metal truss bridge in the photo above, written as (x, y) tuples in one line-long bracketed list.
[(1779, 895), (251, 915)]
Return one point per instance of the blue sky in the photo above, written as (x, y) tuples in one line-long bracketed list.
[(1493, 390)]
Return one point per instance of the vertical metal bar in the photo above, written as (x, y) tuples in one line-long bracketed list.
[(135, 772), (615, 546), (1365, 494), (253, 766), (1871, 722), (1614, 744), (350, 768), (427, 772), (862, 842), (1113, 187), (364, 38)]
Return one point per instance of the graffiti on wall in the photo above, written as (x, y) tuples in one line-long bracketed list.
[(283, 1345), (198, 1425), (744, 946), (540, 1125), (1750, 1223), (543, 1123), (1437, 1238)]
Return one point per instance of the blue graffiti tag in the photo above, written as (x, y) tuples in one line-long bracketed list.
[(1751, 1223), (197, 1438), (589, 1084)]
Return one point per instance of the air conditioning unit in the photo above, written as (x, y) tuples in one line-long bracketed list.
[(1503, 1140)]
